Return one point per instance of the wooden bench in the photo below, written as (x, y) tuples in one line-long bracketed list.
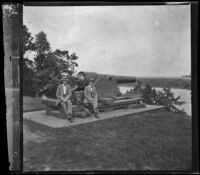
[(53, 105)]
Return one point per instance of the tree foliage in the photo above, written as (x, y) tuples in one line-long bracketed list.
[(167, 98), (148, 94), (28, 65), (41, 43), (47, 66), (28, 44)]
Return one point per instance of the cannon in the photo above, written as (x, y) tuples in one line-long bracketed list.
[(106, 85), (107, 89), (109, 96), (84, 77)]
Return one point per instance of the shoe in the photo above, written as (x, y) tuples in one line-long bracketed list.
[(70, 118), (96, 115)]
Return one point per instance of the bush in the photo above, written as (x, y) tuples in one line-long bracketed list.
[(165, 98)]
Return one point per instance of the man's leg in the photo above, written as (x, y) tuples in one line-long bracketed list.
[(69, 109), (95, 107), (64, 106), (88, 107)]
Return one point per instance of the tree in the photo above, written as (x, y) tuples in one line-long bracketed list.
[(28, 44), (42, 60), (138, 86), (49, 65), (44, 71), (42, 49), (28, 65), (147, 94), (66, 63), (41, 43)]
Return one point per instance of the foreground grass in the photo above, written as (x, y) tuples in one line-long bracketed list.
[(156, 141)]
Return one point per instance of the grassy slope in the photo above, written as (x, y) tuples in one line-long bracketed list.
[(159, 140)]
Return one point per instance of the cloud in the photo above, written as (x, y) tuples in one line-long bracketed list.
[(127, 40)]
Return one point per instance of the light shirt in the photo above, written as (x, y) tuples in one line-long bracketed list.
[(64, 89), (92, 91)]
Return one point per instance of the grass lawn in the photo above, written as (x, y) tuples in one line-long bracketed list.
[(32, 104), (152, 140)]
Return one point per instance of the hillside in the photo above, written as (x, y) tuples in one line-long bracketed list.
[(152, 140), (181, 83)]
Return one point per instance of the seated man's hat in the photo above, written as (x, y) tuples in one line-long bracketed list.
[(64, 78), (92, 79)]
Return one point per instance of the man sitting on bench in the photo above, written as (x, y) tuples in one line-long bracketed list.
[(90, 100), (63, 93)]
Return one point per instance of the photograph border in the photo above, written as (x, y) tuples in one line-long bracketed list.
[(194, 70)]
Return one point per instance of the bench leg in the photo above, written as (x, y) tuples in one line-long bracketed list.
[(48, 109)]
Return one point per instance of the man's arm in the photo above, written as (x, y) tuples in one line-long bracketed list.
[(69, 93), (95, 92), (58, 93), (96, 81), (85, 93), (74, 88)]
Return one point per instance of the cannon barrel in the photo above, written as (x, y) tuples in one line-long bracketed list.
[(122, 79), (106, 85), (86, 76)]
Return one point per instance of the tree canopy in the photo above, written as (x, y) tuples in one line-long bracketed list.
[(42, 73)]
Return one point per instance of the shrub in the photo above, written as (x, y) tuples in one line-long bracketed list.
[(165, 98)]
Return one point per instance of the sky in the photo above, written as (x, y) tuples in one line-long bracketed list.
[(142, 41)]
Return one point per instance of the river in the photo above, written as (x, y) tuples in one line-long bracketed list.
[(184, 93)]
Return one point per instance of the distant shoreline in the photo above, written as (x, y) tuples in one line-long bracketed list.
[(172, 88), (158, 87), (176, 83)]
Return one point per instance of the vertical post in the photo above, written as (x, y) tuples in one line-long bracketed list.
[(11, 29), (15, 33), (8, 85)]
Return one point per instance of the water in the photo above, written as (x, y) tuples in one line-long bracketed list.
[(184, 93), (123, 89)]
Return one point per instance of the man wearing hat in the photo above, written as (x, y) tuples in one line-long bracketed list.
[(63, 93), (90, 99)]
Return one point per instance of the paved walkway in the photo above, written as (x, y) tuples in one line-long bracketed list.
[(55, 122)]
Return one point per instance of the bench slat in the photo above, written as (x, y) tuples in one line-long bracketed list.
[(50, 101)]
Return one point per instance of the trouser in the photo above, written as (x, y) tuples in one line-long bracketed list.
[(92, 105), (67, 106)]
